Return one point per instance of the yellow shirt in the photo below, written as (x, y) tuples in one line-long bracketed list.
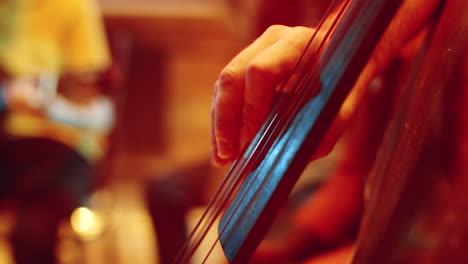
[(52, 36)]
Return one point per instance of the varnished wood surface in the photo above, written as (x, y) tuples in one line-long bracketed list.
[(415, 202), (269, 183)]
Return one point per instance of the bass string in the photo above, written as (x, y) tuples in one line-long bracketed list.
[(290, 98), (311, 81), (231, 181), (231, 186), (265, 129), (203, 225), (212, 212), (224, 190), (314, 78), (287, 103), (273, 125), (228, 184), (283, 126)]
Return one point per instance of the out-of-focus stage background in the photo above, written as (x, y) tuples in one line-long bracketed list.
[(166, 56)]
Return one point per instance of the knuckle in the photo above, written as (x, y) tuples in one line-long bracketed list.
[(276, 29), (301, 30), (228, 77), (299, 36), (257, 69), (275, 32)]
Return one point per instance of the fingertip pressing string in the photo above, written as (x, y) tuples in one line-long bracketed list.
[(275, 125)]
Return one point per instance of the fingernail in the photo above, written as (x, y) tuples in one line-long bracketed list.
[(224, 148), (214, 161)]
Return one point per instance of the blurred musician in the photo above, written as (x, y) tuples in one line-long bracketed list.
[(43, 169)]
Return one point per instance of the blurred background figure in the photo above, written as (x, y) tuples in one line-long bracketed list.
[(55, 118), (154, 99), (51, 57)]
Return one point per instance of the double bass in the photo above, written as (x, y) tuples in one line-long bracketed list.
[(260, 180)]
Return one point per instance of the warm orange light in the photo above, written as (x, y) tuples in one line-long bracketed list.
[(86, 223)]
